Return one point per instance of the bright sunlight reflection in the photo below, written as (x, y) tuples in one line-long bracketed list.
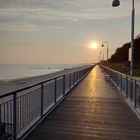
[(93, 45)]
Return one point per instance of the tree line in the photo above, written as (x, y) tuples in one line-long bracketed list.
[(122, 54)]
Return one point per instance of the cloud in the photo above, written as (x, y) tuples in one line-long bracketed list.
[(73, 10), (18, 27), (62, 9), (58, 28)]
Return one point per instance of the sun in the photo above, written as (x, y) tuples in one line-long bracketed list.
[(93, 45)]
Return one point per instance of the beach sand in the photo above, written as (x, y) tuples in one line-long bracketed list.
[(13, 85)]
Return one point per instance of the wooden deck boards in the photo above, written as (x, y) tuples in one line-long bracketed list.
[(93, 111)]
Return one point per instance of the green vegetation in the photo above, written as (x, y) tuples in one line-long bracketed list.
[(120, 61)]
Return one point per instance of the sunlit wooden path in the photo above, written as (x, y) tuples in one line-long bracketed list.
[(94, 110)]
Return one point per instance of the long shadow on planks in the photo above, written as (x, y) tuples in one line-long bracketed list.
[(93, 111)]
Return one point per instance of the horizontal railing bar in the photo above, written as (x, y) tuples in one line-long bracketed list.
[(125, 75), (129, 87), (31, 86), (53, 107), (25, 108)]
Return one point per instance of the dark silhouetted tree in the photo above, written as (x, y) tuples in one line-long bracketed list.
[(121, 54)]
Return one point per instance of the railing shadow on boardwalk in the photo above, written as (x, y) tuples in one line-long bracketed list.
[(127, 85), (95, 110), (22, 110)]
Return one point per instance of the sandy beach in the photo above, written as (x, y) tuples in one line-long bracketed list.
[(12, 85)]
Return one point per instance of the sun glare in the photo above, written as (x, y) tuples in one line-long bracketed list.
[(93, 45)]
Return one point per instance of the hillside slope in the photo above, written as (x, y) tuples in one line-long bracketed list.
[(120, 59)]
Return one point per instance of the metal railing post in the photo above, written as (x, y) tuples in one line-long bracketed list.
[(55, 91), (0, 113), (121, 83), (14, 116), (117, 80), (135, 94), (132, 90), (28, 103), (74, 77), (63, 84), (70, 80), (81, 74), (78, 75), (41, 99), (126, 87), (129, 88)]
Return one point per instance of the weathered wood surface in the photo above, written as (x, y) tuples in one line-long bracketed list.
[(93, 111)]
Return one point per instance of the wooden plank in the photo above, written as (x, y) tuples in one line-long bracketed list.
[(93, 111)]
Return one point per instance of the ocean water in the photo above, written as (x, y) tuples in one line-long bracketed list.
[(16, 71)]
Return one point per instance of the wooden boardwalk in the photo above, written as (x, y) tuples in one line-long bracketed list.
[(94, 110)]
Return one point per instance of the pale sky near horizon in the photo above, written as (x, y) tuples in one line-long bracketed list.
[(59, 31)]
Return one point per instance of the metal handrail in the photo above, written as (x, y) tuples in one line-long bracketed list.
[(120, 73), (39, 83), (128, 85), (25, 107)]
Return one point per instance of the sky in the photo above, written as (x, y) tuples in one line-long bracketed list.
[(60, 31)]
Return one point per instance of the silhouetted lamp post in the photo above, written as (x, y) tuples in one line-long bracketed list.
[(102, 54), (116, 3), (107, 48), (99, 58)]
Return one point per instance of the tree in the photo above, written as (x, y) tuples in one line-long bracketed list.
[(121, 54)]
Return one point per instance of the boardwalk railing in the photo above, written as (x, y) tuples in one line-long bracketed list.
[(22, 110), (129, 86)]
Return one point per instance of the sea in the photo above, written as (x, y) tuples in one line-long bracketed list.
[(17, 71)]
